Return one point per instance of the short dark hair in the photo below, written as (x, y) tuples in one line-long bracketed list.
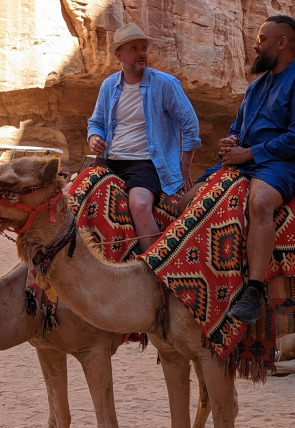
[(282, 19)]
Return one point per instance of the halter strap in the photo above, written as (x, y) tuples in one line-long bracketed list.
[(50, 205), (43, 258), (23, 190)]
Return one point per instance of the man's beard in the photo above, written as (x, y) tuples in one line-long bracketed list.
[(263, 62)]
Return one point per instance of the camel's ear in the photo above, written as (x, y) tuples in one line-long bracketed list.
[(50, 170)]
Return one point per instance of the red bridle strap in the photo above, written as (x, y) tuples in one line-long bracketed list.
[(50, 205)]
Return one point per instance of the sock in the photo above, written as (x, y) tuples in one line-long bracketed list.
[(256, 284)]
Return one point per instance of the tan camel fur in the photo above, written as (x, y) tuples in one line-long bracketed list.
[(121, 298), (92, 347), (286, 345), (285, 357)]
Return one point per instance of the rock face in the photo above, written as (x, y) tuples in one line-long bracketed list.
[(54, 56)]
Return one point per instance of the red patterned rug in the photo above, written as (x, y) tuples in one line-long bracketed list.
[(201, 258), (99, 201)]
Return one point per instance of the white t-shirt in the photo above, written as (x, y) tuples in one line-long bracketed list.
[(129, 142)]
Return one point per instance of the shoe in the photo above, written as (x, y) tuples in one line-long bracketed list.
[(248, 309)]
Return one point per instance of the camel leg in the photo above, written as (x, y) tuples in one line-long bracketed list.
[(204, 408), (221, 392), (54, 368), (176, 370), (97, 368), (220, 388), (183, 331)]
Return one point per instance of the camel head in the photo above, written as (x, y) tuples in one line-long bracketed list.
[(28, 172), (28, 181)]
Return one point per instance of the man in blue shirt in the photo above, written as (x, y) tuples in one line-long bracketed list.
[(261, 142), (136, 124)]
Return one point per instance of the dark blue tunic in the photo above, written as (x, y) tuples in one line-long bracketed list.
[(266, 123)]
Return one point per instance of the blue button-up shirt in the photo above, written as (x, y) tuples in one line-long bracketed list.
[(166, 110)]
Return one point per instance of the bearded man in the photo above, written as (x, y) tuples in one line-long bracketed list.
[(261, 143)]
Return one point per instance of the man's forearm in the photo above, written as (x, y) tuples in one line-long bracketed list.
[(187, 158)]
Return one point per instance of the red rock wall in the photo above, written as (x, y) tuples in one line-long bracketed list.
[(54, 56)]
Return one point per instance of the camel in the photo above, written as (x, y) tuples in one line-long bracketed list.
[(92, 347), (118, 298), (286, 347), (285, 358)]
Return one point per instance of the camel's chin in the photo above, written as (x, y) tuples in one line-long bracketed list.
[(2, 225), (6, 224)]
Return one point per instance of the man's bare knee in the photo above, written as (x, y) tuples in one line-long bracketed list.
[(259, 210), (263, 199), (141, 202), (140, 209)]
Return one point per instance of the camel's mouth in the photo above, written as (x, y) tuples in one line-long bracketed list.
[(4, 224), (9, 218), (7, 201), (9, 224)]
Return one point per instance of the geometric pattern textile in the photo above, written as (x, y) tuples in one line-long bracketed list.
[(201, 257), (99, 200)]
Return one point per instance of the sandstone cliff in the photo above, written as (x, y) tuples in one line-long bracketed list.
[(54, 56)]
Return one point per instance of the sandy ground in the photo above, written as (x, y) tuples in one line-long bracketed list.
[(140, 392)]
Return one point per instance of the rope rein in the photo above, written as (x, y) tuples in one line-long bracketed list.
[(99, 243), (128, 239), (8, 237), (7, 199)]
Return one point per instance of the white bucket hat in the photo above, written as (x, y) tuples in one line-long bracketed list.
[(127, 33)]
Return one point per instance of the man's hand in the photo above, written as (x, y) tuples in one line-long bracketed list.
[(226, 143), (97, 145), (231, 154), (236, 156)]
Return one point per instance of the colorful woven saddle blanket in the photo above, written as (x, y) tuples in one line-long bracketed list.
[(201, 257), (99, 201)]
